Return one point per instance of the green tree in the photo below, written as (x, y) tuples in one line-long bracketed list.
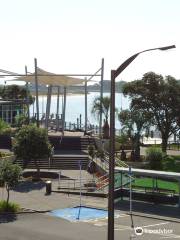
[(16, 92), (159, 97), (96, 108), (155, 158), (31, 144), (9, 175), (3, 126), (21, 120), (133, 123)]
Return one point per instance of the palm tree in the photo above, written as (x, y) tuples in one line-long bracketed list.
[(133, 123), (97, 110)]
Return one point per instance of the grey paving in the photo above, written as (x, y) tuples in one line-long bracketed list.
[(44, 227), (41, 226)]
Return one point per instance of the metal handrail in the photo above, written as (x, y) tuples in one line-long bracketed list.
[(102, 177), (106, 180), (74, 183)]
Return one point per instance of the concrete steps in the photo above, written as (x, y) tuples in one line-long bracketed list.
[(66, 162), (68, 152), (69, 162), (70, 142), (43, 164)]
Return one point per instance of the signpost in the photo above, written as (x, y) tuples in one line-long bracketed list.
[(80, 194)]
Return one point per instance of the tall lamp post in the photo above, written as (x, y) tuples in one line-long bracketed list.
[(114, 74)]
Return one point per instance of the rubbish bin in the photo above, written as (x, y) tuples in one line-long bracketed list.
[(48, 187)]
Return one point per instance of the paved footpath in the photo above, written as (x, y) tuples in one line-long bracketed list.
[(169, 152)]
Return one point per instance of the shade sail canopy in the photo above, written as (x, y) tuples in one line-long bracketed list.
[(47, 78)]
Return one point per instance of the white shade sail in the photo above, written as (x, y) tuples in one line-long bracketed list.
[(47, 78)]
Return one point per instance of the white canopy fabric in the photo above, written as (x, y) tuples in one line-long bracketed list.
[(51, 79)]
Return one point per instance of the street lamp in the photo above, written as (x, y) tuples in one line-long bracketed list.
[(114, 74)]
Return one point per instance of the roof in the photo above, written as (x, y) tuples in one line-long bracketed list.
[(47, 78), (12, 102), (150, 173)]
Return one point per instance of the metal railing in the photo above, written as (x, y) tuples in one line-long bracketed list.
[(83, 184), (76, 184)]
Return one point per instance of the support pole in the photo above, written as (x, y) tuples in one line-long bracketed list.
[(47, 116), (64, 112), (27, 97), (57, 113), (62, 106), (80, 120), (121, 186), (111, 161), (101, 97), (130, 190), (179, 193), (33, 109), (37, 94), (42, 107), (48, 106), (85, 88), (77, 123)]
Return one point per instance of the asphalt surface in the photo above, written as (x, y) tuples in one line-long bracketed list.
[(44, 227), (158, 222)]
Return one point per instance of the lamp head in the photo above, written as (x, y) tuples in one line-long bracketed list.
[(167, 47)]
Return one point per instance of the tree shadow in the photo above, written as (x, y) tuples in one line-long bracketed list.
[(6, 218), (43, 174), (27, 186), (149, 208)]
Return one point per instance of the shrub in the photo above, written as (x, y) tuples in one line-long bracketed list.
[(5, 154), (123, 139), (10, 207), (171, 164), (21, 120), (154, 156), (4, 127)]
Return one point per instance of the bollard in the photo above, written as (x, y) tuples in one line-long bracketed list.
[(48, 187)]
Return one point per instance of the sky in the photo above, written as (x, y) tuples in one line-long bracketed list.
[(72, 36)]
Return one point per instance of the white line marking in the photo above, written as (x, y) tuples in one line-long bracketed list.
[(122, 215), (122, 229), (171, 236), (100, 224), (153, 225)]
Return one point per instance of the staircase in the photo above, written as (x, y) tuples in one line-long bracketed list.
[(102, 182), (66, 162), (69, 161), (68, 152), (43, 164), (67, 143)]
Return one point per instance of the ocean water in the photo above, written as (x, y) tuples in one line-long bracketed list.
[(75, 105)]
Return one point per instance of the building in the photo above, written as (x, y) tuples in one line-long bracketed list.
[(9, 109)]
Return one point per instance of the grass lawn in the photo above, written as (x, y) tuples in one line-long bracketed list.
[(147, 182)]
